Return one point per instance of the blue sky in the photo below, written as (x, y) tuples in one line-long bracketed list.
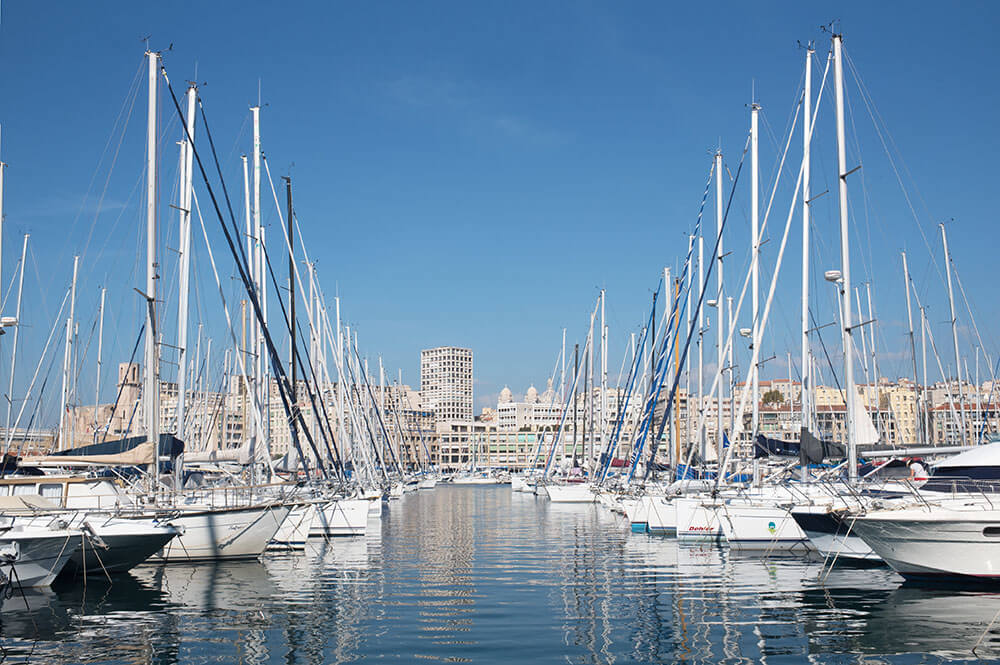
[(473, 174)]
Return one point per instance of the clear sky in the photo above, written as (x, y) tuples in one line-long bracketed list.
[(473, 173)]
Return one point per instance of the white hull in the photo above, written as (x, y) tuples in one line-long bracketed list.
[(223, 533), (427, 484), (474, 480), (341, 517), (697, 519), (574, 493), (936, 543), (762, 527), (41, 554), (294, 530), (659, 513), (519, 484)]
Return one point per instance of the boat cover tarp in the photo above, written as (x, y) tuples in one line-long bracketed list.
[(242, 455), (765, 446), (11, 465), (130, 451), (813, 450), (25, 503)]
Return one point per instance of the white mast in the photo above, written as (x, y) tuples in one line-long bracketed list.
[(718, 299), (604, 374), (954, 336), (17, 328), (187, 156), (702, 443), (563, 381), (754, 263), (341, 375), (687, 363), (845, 269), (589, 397), (871, 339), (913, 349), (925, 415), (732, 370), (100, 346), (979, 401), (151, 384), (807, 382), (250, 323), (65, 423), (258, 269)]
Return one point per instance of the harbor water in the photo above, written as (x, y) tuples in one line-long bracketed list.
[(483, 575)]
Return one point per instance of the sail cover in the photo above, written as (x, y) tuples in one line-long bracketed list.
[(765, 446), (130, 451), (813, 450)]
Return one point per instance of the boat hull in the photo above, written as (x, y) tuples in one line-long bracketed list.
[(119, 545), (341, 517), (831, 537), (40, 555), (578, 493), (697, 520), (223, 534), (294, 530), (660, 515), (944, 545), (762, 527)]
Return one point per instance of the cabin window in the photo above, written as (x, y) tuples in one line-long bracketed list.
[(50, 490), (4, 490), (992, 531), (21, 490)]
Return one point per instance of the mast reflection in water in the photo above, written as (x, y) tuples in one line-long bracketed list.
[(476, 574)]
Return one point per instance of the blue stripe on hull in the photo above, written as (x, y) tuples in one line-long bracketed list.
[(639, 527)]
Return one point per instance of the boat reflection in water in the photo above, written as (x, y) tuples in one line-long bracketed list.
[(489, 576)]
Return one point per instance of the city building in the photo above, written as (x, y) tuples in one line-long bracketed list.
[(446, 382)]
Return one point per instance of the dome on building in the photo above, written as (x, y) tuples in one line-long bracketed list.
[(549, 396), (532, 395), (506, 395)]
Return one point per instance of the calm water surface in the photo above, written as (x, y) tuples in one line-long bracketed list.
[(481, 575)]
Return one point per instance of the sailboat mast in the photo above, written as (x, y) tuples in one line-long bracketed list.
[(65, 422), (845, 268), (687, 359), (806, 392), (562, 391), (184, 277), (151, 387), (754, 263), (341, 377), (925, 414), (732, 371), (604, 374), (17, 328), (702, 443), (913, 347), (291, 285), (718, 299), (258, 272), (954, 335)]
